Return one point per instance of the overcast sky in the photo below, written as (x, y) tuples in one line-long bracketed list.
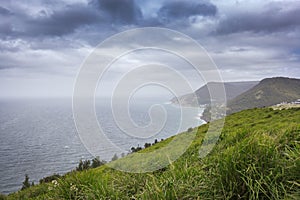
[(44, 42)]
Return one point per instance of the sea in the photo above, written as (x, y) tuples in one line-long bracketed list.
[(38, 136)]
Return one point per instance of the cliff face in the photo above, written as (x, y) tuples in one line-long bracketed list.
[(202, 95)]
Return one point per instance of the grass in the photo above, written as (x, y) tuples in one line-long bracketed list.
[(268, 92), (256, 157)]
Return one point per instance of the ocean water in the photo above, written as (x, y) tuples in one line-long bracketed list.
[(38, 137)]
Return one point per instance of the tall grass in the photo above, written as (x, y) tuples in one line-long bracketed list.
[(257, 157)]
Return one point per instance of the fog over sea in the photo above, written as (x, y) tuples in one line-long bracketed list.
[(38, 136)]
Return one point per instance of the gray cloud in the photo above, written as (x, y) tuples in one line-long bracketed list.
[(120, 11), (4, 11), (271, 20), (178, 10), (5, 28), (52, 38), (97, 14), (63, 21), (5, 25)]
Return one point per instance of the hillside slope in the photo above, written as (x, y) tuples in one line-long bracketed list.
[(268, 92), (232, 90), (256, 157)]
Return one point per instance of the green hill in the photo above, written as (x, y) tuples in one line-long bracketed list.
[(257, 157), (268, 92), (202, 95)]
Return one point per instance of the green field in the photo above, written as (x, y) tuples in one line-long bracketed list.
[(256, 157)]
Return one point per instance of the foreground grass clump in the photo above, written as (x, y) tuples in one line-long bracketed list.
[(256, 157)]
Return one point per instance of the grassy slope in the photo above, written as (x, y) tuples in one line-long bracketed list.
[(268, 92), (257, 156)]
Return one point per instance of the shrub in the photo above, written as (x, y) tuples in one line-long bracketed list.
[(83, 165), (26, 183), (48, 179), (96, 162), (115, 157), (2, 197), (147, 145)]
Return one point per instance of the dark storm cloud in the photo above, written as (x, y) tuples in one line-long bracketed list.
[(101, 14), (98, 15), (40, 38), (61, 22), (4, 11), (120, 11), (268, 21), (178, 10), (5, 25), (5, 28)]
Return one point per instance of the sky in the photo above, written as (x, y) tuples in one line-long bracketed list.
[(43, 43)]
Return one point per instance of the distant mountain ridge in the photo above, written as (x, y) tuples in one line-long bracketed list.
[(268, 92), (232, 89)]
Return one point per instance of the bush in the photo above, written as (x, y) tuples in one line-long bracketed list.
[(83, 165), (136, 149), (96, 162), (268, 116), (115, 157), (26, 183), (48, 179), (2, 197), (147, 145)]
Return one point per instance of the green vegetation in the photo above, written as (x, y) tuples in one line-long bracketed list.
[(89, 164), (26, 183), (202, 95), (2, 196), (256, 157), (268, 92), (49, 179)]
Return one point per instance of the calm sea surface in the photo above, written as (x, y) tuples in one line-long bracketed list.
[(38, 137)]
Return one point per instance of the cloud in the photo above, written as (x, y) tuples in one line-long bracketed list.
[(60, 22), (4, 11), (274, 19), (120, 11), (95, 15), (5, 28), (5, 25), (67, 19), (178, 10), (247, 40)]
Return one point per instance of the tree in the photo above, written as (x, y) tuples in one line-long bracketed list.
[(86, 164), (83, 165), (26, 183), (48, 179), (133, 149), (147, 145), (190, 129), (96, 162), (115, 157)]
